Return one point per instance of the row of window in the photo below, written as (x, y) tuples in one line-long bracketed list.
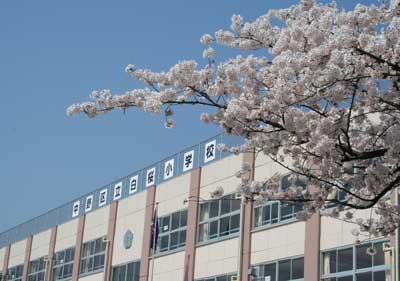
[(274, 212), (219, 218), (93, 255), (172, 231), (63, 264), (126, 272), (283, 270), (92, 259), (15, 273), (367, 262), (37, 269)]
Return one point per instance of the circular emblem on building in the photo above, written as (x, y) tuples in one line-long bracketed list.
[(128, 239)]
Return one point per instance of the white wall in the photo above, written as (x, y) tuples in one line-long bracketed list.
[(17, 253), (40, 245), (266, 168), (66, 235), (278, 242), (93, 277), (171, 194), (337, 233), (96, 224), (169, 267), (220, 174), (217, 258), (2, 255), (130, 215)]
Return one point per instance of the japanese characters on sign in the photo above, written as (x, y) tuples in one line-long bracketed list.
[(118, 191), (89, 203), (169, 169), (151, 177), (133, 184), (103, 197), (210, 151), (75, 209), (188, 159)]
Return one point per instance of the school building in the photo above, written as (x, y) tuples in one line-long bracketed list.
[(109, 234)]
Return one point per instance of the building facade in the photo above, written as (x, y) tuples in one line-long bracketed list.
[(109, 234)]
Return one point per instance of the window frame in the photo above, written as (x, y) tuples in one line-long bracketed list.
[(40, 273), (62, 264), (135, 264), (258, 222), (89, 256), (182, 228), (218, 219), (276, 263), (354, 271), (18, 269)]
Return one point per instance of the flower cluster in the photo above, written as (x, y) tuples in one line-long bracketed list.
[(324, 104)]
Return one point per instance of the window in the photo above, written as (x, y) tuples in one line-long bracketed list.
[(172, 233), (93, 255), (126, 272), (282, 270), (63, 263), (15, 273), (219, 218), (275, 212), (355, 263), (37, 269), (226, 277)]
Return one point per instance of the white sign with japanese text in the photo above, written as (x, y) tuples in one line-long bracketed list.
[(151, 177), (169, 169)]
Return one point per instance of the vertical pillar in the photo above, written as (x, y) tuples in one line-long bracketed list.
[(191, 228), (312, 246), (78, 248), (5, 262), (112, 219), (245, 243), (50, 257), (28, 249), (394, 242), (144, 260)]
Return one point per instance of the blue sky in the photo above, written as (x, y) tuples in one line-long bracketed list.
[(54, 53)]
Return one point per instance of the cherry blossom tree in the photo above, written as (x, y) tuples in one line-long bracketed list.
[(322, 100)]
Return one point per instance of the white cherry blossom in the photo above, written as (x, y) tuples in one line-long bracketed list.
[(320, 96)]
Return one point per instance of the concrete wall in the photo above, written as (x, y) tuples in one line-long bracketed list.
[(169, 267), (266, 168), (337, 233), (40, 245), (278, 242), (130, 215), (96, 224), (217, 258), (2, 254), (17, 253), (171, 194), (93, 277), (66, 235), (220, 174)]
